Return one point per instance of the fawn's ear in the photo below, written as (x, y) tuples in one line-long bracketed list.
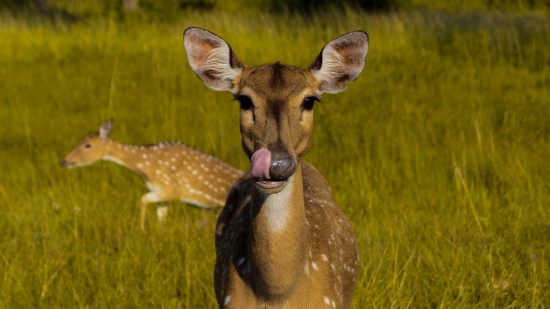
[(211, 58), (340, 61), (105, 129)]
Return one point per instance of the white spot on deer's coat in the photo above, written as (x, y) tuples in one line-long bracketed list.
[(314, 266), (227, 300), (327, 300)]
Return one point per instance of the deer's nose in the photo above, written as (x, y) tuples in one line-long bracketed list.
[(281, 167)]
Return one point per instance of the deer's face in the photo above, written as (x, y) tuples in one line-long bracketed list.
[(276, 100), (276, 103), (88, 151)]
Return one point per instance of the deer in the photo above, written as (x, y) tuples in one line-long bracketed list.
[(281, 240), (171, 170)]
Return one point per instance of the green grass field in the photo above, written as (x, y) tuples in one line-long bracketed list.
[(438, 153)]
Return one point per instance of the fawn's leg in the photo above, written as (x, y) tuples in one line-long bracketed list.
[(148, 198), (162, 212)]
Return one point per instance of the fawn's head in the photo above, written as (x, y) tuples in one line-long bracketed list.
[(90, 149), (276, 100)]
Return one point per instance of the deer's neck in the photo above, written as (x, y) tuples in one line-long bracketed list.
[(129, 156), (278, 242)]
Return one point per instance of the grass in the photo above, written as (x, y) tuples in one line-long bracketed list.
[(437, 153)]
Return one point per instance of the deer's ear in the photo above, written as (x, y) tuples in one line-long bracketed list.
[(211, 58), (105, 129), (340, 61)]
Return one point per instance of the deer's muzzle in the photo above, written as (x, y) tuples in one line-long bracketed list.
[(271, 170)]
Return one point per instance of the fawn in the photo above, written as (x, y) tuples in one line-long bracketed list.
[(172, 171), (281, 240)]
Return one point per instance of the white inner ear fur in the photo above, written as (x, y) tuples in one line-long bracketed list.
[(104, 131), (337, 69), (219, 63), (210, 58), (332, 67)]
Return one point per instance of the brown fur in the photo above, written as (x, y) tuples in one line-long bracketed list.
[(284, 276), (287, 246)]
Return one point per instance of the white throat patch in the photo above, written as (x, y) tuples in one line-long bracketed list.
[(277, 206), (113, 159)]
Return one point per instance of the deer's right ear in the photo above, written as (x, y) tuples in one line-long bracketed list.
[(105, 129), (340, 61), (211, 58)]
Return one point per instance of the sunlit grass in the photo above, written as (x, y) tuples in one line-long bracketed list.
[(437, 153)]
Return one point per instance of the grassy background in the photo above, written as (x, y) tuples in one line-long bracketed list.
[(438, 154)]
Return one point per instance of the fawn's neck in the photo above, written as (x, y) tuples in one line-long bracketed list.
[(129, 156), (278, 242)]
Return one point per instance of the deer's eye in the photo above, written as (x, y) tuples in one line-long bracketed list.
[(245, 102), (308, 103), (88, 146)]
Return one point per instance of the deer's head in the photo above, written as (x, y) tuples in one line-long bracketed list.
[(276, 100), (90, 149)]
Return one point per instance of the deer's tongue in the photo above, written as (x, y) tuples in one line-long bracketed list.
[(261, 160)]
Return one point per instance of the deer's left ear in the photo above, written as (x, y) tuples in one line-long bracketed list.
[(340, 61), (211, 58)]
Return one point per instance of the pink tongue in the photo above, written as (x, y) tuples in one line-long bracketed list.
[(261, 159)]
